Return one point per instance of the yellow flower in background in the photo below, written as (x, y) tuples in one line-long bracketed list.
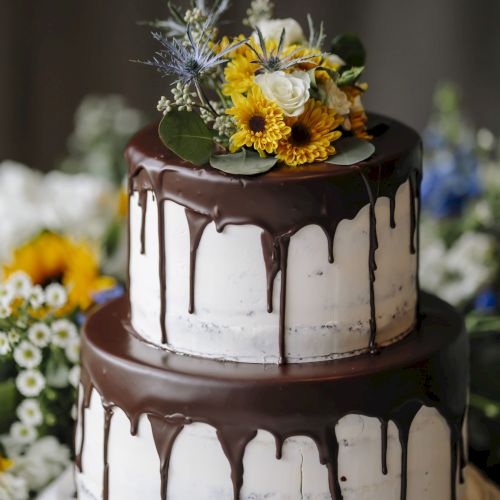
[(260, 122), (240, 75), (5, 464), (311, 137), (225, 42), (299, 51), (51, 257), (357, 120)]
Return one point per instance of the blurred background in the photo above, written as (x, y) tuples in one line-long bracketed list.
[(54, 52), (70, 98)]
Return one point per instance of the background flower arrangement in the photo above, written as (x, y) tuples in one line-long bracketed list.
[(61, 251), (275, 96)]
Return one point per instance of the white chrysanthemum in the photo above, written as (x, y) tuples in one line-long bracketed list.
[(22, 433), (20, 284), (6, 294), (74, 376), (36, 297), (72, 350), (4, 344), (29, 412), (26, 355), (30, 383), (13, 487), (56, 295), (39, 334), (62, 332), (14, 337), (5, 310)]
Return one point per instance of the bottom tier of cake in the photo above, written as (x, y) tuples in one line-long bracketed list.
[(154, 424)]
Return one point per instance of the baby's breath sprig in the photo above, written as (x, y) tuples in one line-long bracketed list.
[(259, 10)]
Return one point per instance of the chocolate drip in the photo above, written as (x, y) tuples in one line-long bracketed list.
[(86, 386), (413, 214), (383, 431), (284, 244), (272, 266), (280, 202), (143, 203), (162, 269), (197, 223), (427, 368), (108, 414), (165, 431), (392, 211), (372, 265), (234, 440)]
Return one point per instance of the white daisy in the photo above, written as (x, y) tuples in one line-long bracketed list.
[(22, 433), (29, 412), (56, 295), (5, 310), (14, 337), (74, 376), (36, 297), (39, 334), (62, 332), (27, 355), (73, 350), (30, 383), (4, 344), (6, 294), (20, 284)]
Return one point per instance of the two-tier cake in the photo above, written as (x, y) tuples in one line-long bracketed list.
[(274, 343), (183, 394)]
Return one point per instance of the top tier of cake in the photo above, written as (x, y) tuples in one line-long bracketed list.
[(295, 265)]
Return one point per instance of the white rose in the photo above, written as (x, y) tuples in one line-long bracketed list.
[(334, 98), (272, 28), (289, 91)]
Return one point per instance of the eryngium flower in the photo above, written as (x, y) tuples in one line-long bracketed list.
[(188, 63)]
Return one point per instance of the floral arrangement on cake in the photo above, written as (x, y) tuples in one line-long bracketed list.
[(246, 103)]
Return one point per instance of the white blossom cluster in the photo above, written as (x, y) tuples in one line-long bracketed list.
[(221, 123), (44, 349)]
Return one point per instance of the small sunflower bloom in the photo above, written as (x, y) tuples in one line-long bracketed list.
[(261, 123), (239, 75), (311, 137)]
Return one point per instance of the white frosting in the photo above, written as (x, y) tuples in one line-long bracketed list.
[(200, 470), (327, 308)]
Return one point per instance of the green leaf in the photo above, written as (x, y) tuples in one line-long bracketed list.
[(350, 48), (245, 162), (8, 403), (185, 133), (351, 150), (350, 76)]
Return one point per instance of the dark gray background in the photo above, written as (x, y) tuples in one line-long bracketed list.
[(54, 52)]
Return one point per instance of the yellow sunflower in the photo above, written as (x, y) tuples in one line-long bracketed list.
[(239, 74), (5, 464), (260, 122), (299, 51), (311, 137), (51, 257)]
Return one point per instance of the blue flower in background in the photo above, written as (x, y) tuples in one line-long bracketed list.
[(485, 301), (451, 178), (109, 294)]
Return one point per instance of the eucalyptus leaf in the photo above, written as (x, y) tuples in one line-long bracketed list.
[(351, 150), (8, 403), (185, 133), (350, 76), (350, 48), (245, 162)]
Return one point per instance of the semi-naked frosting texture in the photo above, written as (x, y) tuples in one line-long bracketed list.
[(297, 265), (159, 425)]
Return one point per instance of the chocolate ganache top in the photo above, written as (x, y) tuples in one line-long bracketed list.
[(281, 202)]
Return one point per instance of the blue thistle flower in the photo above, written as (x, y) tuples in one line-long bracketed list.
[(274, 60), (188, 63)]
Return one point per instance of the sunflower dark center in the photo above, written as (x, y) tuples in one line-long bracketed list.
[(300, 135), (257, 123)]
